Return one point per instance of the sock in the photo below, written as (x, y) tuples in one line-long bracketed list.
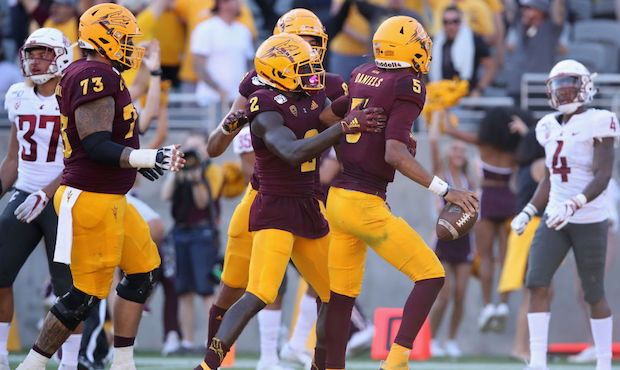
[(337, 324), (215, 355), (416, 310), (269, 328), (303, 325), (318, 361), (70, 350), (35, 359), (215, 320), (538, 323), (123, 356), (602, 332), (4, 337), (398, 356)]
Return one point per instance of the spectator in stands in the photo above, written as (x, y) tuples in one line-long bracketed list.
[(350, 46), (211, 51), (458, 52), (9, 74), (194, 193), (476, 13), (533, 41), (63, 16)]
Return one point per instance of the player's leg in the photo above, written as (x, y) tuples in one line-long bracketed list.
[(236, 263), (139, 262), (502, 309), (485, 236), (590, 246), (295, 349), (269, 320), (61, 282), (271, 252), (439, 309), (547, 251), (17, 240)]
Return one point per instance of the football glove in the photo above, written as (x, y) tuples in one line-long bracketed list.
[(233, 121), (32, 206), (168, 158), (151, 174), (519, 223), (366, 120), (558, 217)]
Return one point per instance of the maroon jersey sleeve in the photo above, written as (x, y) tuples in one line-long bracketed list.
[(249, 84), (92, 83), (403, 113), (263, 100), (340, 106), (411, 89), (335, 86)]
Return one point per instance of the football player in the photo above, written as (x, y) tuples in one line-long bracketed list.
[(33, 165), (97, 229), (579, 156), (356, 210), (285, 215)]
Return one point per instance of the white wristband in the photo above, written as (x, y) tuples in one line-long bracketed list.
[(142, 158), (581, 199), (530, 210), (224, 131), (438, 186)]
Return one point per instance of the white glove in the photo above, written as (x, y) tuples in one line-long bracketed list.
[(519, 223), (166, 158), (558, 217), (31, 207)]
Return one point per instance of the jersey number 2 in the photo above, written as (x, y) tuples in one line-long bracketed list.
[(31, 119), (563, 170)]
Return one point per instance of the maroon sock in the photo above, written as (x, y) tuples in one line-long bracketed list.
[(215, 320), (215, 354), (416, 309), (41, 352), (318, 362), (337, 325), (123, 341)]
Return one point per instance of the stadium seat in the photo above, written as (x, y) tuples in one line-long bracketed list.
[(581, 8), (598, 30), (604, 8), (596, 57)]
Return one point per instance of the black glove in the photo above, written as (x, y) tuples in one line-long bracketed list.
[(151, 173)]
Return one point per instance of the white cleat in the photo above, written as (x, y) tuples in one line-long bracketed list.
[(67, 367), (290, 354), (360, 341), (486, 317), (500, 318), (585, 356), (172, 343), (436, 349), (452, 349)]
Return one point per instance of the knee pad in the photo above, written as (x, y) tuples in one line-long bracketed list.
[(73, 307), (137, 287)]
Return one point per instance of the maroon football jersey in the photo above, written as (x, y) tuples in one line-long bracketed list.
[(85, 81), (401, 94), (335, 86), (286, 197)]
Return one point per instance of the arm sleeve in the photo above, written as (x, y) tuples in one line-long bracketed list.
[(92, 84), (411, 89), (341, 106), (403, 113), (335, 86), (261, 101), (246, 86), (606, 125), (8, 104)]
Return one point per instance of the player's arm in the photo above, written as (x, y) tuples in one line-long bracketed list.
[(468, 137), (335, 111), (151, 108), (230, 126), (8, 168), (281, 141), (247, 164), (433, 135), (93, 121), (602, 167)]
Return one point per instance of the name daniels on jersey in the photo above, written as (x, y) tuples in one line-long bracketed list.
[(365, 79)]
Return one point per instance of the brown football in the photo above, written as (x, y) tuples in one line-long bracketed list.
[(453, 222)]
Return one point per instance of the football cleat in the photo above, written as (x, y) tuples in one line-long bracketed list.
[(436, 349), (295, 356), (585, 356), (486, 317), (452, 349), (384, 366)]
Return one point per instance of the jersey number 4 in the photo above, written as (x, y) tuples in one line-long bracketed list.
[(31, 119), (559, 164)]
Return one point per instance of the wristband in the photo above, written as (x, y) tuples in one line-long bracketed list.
[(224, 131), (157, 72), (143, 158), (581, 199), (439, 187), (530, 210)]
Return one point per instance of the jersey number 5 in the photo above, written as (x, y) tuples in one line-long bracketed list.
[(563, 170), (356, 103)]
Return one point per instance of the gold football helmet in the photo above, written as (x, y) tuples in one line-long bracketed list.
[(303, 22), (109, 29), (402, 42), (286, 62)]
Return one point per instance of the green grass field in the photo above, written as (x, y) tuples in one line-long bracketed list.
[(154, 361)]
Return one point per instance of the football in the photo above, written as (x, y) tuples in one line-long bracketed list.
[(453, 222)]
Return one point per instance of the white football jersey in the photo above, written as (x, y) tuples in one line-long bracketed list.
[(242, 143), (569, 150), (37, 121)]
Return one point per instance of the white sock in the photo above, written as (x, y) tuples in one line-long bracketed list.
[(34, 360), (303, 325), (538, 323), (602, 332), (123, 355), (70, 350), (4, 337), (269, 328)]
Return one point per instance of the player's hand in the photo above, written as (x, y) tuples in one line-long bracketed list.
[(151, 174), (366, 120), (519, 223), (152, 60), (464, 198), (412, 145), (32, 206), (233, 121), (558, 217), (169, 158)]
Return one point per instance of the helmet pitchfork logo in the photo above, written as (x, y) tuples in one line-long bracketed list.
[(284, 49), (116, 18)]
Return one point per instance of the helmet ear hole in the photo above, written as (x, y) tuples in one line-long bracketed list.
[(418, 56)]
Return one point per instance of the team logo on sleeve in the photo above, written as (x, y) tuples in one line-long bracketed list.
[(293, 110)]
